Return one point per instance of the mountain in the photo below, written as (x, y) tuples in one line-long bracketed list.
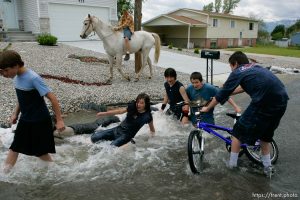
[(286, 22)]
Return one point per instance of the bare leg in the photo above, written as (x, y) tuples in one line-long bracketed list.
[(46, 157), (127, 46), (10, 160), (234, 154), (265, 147), (235, 145), (185, 120)]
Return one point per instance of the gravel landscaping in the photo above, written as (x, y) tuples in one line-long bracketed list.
[(55, 61), (78, 82)]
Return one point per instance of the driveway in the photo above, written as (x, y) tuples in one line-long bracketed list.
[(181, 63)]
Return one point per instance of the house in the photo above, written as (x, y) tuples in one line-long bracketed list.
[(284, 42), (195, 28), (61, 18), (295, 39)]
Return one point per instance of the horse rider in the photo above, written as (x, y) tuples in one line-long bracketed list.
[(126, 23)]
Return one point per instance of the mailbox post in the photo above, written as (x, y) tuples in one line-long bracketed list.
[(208, 54)]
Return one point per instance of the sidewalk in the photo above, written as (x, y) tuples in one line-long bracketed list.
[(181, 63)]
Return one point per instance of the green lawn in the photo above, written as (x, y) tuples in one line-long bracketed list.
[(271, 50)]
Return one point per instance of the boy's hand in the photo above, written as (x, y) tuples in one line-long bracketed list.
[(238, 110), (60, 126), (13, 119)]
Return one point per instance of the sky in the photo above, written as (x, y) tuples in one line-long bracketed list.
[(268, 10)]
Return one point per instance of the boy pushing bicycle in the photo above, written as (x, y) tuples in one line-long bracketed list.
[(262, 117)]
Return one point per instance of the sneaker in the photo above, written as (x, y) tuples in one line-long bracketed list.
[(231, 166), (269, 171), (127, 56)]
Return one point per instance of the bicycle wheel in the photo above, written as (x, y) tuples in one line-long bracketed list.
[(254, 153), (195, 151)]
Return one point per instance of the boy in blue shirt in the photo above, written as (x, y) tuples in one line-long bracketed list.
[(33, 135), (261, 118), (204, 91)]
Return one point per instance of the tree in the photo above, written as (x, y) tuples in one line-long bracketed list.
[(121, 3), (294, 28), (278, 32), (229, 5), (208, 7), (218, 5)]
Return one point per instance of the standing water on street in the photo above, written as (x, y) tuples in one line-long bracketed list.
[(153, 168)]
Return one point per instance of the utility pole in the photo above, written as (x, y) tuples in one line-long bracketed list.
[(137, 27)]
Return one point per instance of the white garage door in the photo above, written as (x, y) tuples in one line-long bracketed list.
[(66, 21)]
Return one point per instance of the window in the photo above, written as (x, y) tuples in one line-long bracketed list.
[(232, 24), (215, 22), (213, 43), (251, 26), (230, 42)]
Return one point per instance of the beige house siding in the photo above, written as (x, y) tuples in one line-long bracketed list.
[(231, 31), (224, 30)]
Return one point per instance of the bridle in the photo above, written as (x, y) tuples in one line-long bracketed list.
[(89, 24)]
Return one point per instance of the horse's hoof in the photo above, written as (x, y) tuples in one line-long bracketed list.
[(150, 77), (136, 80), (127, 78), (108, 81)]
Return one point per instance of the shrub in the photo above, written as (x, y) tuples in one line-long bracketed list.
[(47, 39), (170, 46), (196, 51), (179, 49)]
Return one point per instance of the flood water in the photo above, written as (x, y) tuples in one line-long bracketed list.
[(153, 168)]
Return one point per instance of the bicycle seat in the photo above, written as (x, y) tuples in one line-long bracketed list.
[(234, 115)]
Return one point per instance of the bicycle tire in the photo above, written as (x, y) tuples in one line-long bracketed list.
[(253, 153), (195, 152)]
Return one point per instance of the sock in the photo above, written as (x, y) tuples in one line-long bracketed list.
[(266, 160), (233, 159)]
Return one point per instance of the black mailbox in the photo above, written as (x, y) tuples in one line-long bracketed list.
[(210, 54)]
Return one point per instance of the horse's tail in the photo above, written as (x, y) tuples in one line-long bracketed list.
[(157, 47)]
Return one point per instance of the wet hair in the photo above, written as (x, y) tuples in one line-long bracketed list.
[(196, 75), (9, 59), (170, 72), (146, 98), (238, 57)]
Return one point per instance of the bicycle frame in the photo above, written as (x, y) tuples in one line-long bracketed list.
[(209, 129)]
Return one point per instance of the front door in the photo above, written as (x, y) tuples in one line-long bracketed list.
[(9, 14)]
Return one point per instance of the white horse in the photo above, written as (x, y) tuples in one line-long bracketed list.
[(113, 42)]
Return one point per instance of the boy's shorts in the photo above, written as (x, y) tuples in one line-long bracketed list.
[(258, 124), (127, 33)]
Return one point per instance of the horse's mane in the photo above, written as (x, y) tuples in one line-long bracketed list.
[(98, 20)]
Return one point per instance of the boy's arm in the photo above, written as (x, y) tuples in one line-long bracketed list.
[(60, 125), (152, 129), (185, 97), (234, 105), (112, 112), (15, 115), (238, 90)]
